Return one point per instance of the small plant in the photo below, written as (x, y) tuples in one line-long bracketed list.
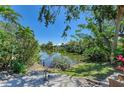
[(119, 51), (18, 67)]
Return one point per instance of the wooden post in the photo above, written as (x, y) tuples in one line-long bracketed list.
[(45, 72)]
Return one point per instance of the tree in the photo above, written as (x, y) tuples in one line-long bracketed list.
[(101, 21), (19, 49), (49, 45), (18, 46), (9, 14), (7, 40), (28, 47), (48, 14)]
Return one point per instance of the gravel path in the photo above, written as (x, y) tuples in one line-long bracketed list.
[(36, 79)]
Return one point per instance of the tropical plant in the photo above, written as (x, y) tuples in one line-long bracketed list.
[(119, 60)]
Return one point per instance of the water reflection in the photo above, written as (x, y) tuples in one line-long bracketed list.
[(47, 59)]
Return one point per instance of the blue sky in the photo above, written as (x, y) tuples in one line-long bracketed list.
[(43, 35)]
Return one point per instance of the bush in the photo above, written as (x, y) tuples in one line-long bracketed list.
[(61, 63), (19, 48), (18, 67), (119, 51), (7, 42), (96, 54)]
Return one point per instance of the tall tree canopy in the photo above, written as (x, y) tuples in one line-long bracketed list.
[(101, 21), (8, 14), (48, 14)]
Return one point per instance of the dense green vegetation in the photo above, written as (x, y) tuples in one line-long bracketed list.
[(101, 23), (18, 47), (95, 48)]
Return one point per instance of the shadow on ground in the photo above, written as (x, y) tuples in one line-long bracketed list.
[(33, 79)]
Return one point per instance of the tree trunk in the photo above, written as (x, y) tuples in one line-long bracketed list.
[(115, 39)]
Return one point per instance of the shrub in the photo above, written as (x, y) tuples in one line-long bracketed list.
[(96, 54), (61, 63), (119, 51), (7, 42), (19, 48), (18, 67)]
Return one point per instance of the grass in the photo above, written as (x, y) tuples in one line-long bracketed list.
[(95, 70)]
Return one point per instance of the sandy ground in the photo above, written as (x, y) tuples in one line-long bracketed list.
[(36, 79)]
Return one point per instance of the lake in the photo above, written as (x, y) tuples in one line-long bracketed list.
[(48, 58)]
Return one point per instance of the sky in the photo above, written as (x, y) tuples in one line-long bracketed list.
[(53, 33)]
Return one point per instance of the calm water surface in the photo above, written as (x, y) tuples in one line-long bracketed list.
[(47, 59)]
